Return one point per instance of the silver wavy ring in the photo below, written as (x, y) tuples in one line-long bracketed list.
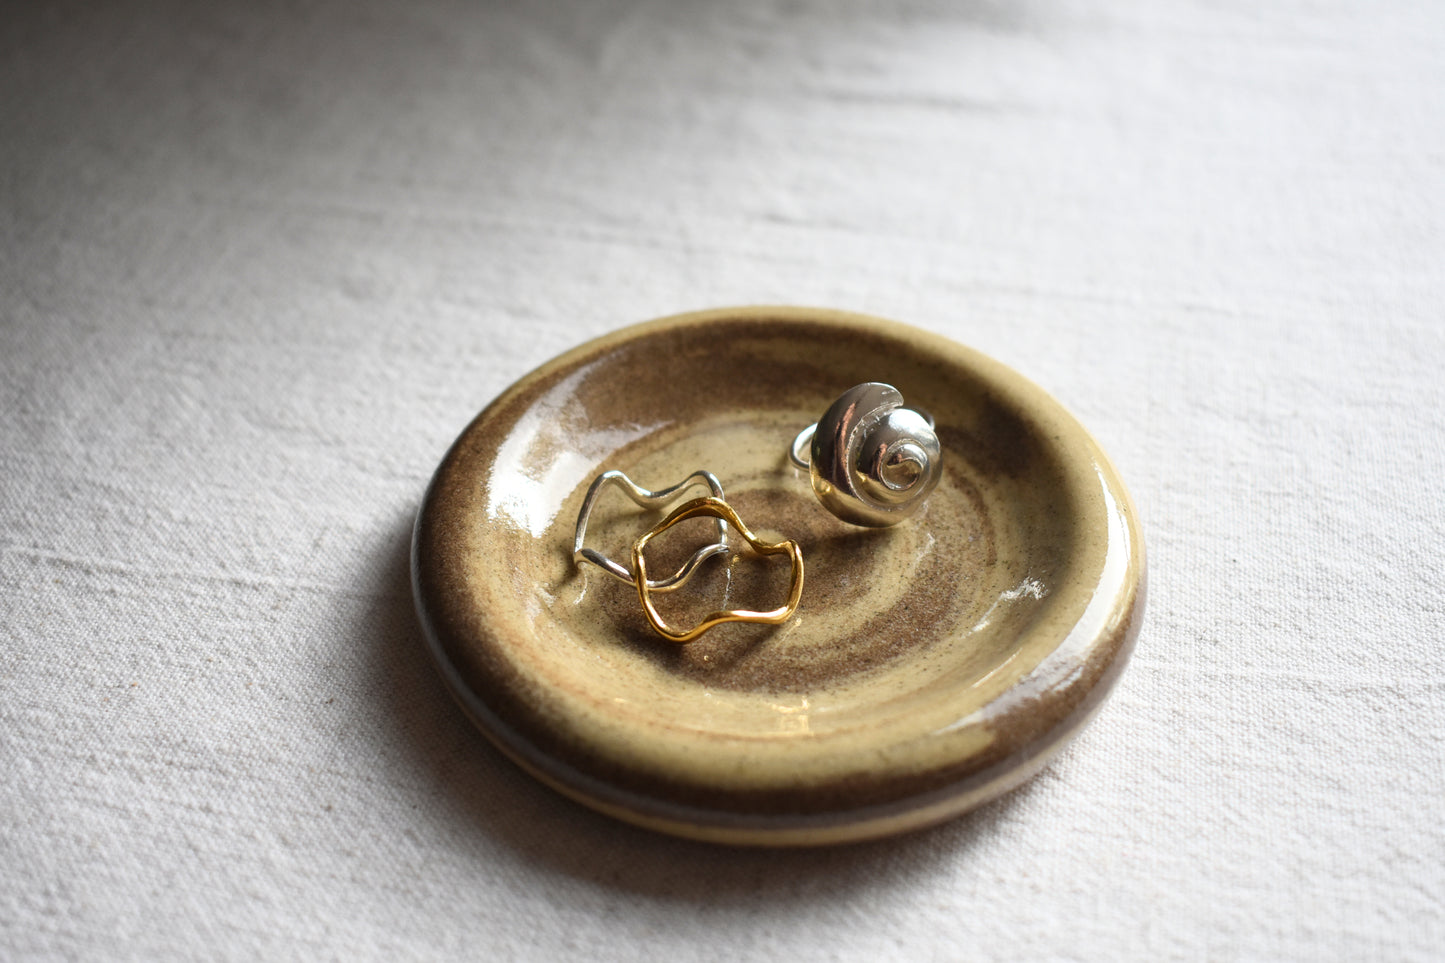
[(654, 500), (872, 461)]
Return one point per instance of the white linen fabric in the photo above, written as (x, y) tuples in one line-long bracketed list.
[(261, 264)]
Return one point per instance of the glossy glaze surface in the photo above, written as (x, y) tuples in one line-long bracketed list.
[(929, 666)]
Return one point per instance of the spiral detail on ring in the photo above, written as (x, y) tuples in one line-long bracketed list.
[(874, 461)]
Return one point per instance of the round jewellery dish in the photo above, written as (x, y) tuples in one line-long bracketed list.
[(929, 666)]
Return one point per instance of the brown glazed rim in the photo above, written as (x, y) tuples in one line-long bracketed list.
[(1025, 723)]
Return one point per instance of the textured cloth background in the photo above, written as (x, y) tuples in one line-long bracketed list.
[(261, 265)]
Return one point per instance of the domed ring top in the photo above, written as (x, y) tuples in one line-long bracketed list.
[(872, 461)]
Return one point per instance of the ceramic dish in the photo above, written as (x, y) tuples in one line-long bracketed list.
[(930, 666)]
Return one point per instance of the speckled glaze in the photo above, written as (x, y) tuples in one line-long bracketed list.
[(929, 667)]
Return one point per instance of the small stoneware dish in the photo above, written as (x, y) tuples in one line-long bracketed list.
[(930, 666)]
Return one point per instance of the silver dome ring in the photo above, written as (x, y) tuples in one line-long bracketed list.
[(871, 461)]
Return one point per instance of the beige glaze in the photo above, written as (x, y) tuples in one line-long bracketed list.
[(929, 666)]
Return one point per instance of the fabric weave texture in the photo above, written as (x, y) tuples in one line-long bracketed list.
[(262, 263)]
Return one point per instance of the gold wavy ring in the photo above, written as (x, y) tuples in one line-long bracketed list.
[(713, 507)]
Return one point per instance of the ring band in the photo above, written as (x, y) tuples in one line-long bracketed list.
[(716, 508), (646, 499)]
